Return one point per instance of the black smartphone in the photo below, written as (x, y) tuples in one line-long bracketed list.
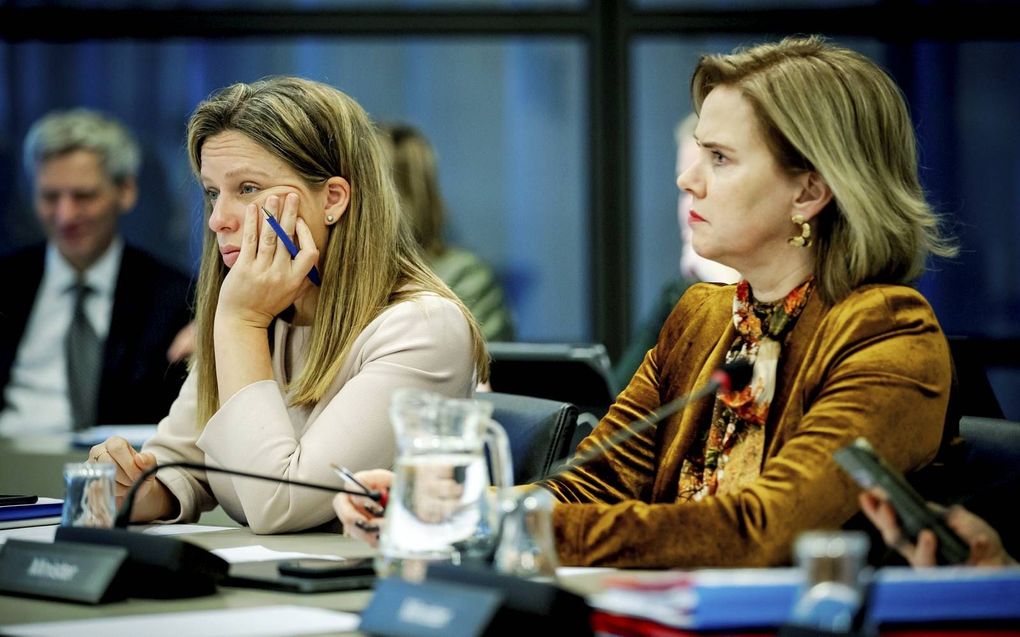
[(321, 567), (7, 500), (869, 470), (309, 575)]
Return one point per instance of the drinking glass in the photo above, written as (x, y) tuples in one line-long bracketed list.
[(88, 495)]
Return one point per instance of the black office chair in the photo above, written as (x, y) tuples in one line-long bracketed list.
[(540, 432), (990, 474), (578, 374), (985, 459), (973, 395), (990, 454)]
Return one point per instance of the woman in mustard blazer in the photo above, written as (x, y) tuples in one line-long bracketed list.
[(806, 183)]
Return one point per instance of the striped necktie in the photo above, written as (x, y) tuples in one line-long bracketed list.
[(84, 362)]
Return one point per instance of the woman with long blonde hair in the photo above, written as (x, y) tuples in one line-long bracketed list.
[(296, 358)]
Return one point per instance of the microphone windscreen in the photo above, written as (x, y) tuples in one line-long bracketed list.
[(738, 373)]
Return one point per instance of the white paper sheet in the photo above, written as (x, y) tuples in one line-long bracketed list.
[(177, 529), (263, 554), (265, 621), (33, 533), (47, 533)]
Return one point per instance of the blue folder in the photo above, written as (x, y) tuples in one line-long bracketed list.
[(30, 511), (750, 598)]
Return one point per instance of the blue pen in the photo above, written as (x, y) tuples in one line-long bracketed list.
[(313, 274)]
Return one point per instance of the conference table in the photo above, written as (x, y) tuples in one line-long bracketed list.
[(34, 466), (242, 602), (20, 610)]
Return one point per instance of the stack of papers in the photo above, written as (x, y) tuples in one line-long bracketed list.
[(706, 599), (43, 511), (762, 598)]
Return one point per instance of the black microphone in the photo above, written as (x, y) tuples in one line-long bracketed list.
[(118, 562), (732, 376)]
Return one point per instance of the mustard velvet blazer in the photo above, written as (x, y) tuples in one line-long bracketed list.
[(876, 364)]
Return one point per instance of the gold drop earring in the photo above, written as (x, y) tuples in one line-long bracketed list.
[(803, 240)]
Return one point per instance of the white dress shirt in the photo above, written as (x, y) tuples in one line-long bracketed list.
[(36, 395)]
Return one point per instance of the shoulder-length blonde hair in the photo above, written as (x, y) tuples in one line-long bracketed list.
[(416, 178), (371, 260), (831, 110)]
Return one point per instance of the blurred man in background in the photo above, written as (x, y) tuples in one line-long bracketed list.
[(87, 323)]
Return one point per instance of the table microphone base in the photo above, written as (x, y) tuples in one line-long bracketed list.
[(157, 566)]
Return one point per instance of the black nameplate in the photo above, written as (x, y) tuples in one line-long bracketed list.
[(66, 571), (525, 603), (430, 609)]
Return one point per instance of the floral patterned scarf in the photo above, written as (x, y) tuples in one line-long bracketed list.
[(729, 452)]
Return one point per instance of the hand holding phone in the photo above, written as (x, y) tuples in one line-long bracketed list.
[(870, 472)]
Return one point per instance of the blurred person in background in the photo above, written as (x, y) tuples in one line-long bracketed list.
[(416, 176), (693, 267), (92, 330)]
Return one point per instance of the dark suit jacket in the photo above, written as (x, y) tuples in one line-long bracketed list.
[(151, 304)]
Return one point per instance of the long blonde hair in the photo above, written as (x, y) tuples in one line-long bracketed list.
[(831, 110), (371, 259)]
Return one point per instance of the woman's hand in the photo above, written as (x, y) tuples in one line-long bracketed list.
[(152, 500), (361, 516), (265, 280), (262, 283), (436, 494), (985, 544)]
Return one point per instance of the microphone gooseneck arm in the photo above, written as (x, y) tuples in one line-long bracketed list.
[(638, 427), (729, 377), (124, 515)]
